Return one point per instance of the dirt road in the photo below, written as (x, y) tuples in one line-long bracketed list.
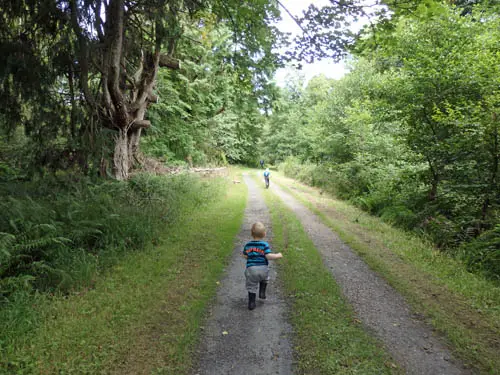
[(238, 341)]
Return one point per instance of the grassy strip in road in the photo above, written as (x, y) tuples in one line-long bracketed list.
[(462, 306), (144, 315), (328, 337)]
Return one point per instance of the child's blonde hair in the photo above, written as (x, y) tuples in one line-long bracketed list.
[(258, 230)]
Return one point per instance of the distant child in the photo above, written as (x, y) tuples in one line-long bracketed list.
[(267, 174), (262, 163), (257, 254)]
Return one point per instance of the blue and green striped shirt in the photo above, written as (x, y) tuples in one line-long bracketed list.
[(256, 253)]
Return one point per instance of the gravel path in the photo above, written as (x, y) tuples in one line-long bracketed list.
[(381, 309), (237, 341)]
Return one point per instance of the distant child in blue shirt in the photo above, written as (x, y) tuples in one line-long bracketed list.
[(267, 174), (257, 254)]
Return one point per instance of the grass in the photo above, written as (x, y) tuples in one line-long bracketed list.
[(462, 306), (143, 316), (328, 339)]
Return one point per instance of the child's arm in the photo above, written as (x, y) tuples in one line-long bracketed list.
[(273, 256)]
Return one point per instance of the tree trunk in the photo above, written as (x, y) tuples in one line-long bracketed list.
[(120, 156), (434, 181), (134, 134), (133, 147), (126, 96), (73, 104), (495, 155)]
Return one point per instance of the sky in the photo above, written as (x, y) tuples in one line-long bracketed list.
[(326, 67)]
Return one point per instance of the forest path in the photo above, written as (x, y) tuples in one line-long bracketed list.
[(382, 310), (238, 341)]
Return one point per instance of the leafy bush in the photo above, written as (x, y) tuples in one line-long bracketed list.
[(399, 215), (290, 167), (315, 175), (7, 173)]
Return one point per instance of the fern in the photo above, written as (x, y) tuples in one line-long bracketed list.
[(40, 243), (18, 251), (6, 241), (51, 242), (10, 285), (483, 253)]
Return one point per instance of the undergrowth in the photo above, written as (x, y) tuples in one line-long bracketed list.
[(57, 236), (451, 221)]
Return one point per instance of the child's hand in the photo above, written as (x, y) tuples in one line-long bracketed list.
[(273, 256)]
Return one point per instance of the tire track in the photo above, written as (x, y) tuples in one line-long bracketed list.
[(237, 341), (381, 309)]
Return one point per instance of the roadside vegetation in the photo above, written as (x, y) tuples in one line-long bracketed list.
[(412, 133), (328, 339), (138, 302), (461, 305)]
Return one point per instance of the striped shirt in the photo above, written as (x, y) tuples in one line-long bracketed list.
[(256, 253)]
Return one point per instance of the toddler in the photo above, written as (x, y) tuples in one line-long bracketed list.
[(257, 253)]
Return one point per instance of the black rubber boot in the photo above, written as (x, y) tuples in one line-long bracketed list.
[(262, 290), (251, 300)]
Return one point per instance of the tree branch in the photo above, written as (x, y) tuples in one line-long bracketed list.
[(170, 62), (292, 17), (114, 20), (139, 124)]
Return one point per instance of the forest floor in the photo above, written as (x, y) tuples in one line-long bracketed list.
[(238, 341)]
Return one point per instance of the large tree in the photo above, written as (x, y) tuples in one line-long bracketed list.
[(131, 40)]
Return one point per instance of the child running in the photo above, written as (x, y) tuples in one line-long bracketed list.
[(257, 253)]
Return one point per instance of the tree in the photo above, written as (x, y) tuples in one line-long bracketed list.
[(212, 115), (447, 72)]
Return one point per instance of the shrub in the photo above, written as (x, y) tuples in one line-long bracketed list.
[(290, 167), (399, 215), (398, 195), (483, 253)]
